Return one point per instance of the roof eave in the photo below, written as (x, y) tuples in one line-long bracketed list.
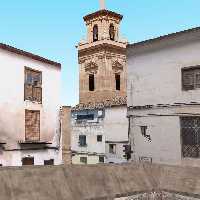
[(29, 55)]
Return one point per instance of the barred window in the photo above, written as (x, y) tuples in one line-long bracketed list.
[(190, 133), (33, 85), (32, 125), (191, 78)]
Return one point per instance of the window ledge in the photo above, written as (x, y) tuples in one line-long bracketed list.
[(21, 142), (83, 145), (34, 102)]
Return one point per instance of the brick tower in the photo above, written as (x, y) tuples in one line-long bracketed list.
[(102, 58)]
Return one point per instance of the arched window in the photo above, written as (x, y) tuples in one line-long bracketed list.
[(95, 33), (112, 32)]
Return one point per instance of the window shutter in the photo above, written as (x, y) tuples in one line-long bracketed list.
[(197, 79), (188, 80)]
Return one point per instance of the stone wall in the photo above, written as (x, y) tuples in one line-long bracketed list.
[(157, 196), (99, 182)]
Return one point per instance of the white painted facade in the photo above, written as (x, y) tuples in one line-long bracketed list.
[(13, 106), (156, 98), (112, 124), (116, 132), (90, 129)]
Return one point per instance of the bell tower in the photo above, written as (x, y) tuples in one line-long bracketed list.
[(102, 58)]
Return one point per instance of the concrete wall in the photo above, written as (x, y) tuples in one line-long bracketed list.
[(99, 182), (12, 105)]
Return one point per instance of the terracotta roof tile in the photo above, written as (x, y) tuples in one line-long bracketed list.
[(116, 101)]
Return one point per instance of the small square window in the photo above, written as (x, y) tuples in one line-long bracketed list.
[(28, 161), (49, 162), (83, 160), (101, 159), (112, 148), (99, 138)]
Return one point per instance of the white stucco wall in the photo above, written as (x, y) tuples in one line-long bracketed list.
[(90, 131), (12, 104), (154, 77), (116, 132), (113, 126)]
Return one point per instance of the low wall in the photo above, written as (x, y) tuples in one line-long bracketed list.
[(97, 182)]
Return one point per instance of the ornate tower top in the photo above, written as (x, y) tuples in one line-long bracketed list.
[(102, 57)]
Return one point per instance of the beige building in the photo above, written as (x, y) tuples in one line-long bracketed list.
[(102, 60)]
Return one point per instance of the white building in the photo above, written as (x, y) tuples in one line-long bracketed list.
[(99, 133), (164, 98), (29, 104)]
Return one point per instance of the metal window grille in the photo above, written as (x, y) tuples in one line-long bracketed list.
[(190, 133)]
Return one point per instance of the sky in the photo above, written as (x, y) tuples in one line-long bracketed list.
[(52, 28)]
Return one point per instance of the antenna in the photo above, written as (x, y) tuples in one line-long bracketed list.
[(102, 4)]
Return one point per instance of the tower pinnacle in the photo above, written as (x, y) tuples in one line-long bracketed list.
[(102, 4)]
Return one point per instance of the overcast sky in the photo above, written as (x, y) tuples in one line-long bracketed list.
[(52, 28)]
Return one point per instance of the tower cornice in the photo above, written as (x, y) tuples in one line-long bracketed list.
[(103, 13), (102, 47)]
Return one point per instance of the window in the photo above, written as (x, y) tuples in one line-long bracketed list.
[(32, 125), (28, 161), (49, 162), (87, 117), (83, 160), (82, 140), (190, 133), (33, 85), (91, 82), (117, 81), (101, 159), (112, 148), (144, 132), (191, 78), (112, 32), (99, 138), (95, 33)]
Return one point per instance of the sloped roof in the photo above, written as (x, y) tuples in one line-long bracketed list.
[(29, 55), (164, 37)]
